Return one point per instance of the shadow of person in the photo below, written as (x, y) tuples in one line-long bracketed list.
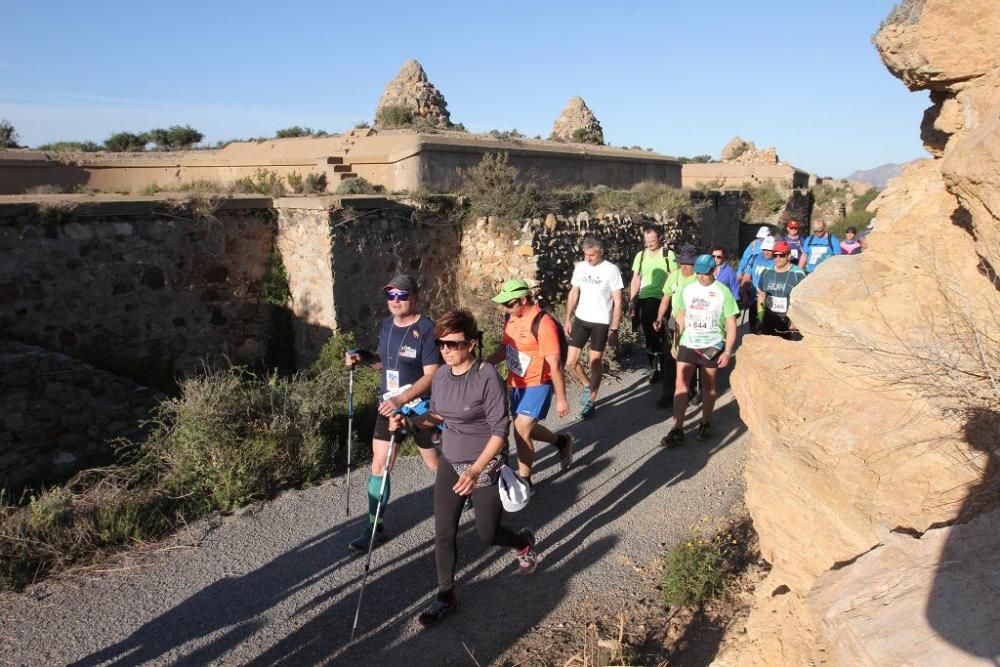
[(964, 602)]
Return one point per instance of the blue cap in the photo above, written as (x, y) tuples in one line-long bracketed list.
[(704, 264)]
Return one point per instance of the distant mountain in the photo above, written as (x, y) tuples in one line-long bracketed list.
[(879, 176)]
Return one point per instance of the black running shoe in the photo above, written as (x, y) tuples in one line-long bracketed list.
[(527, 558), (675, 438), (704, 431), (437, 610), (564, 443)]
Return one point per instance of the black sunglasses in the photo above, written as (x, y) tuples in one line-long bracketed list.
[(512, 303), (451, 344)]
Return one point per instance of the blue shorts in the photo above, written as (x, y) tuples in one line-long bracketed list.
[(531, 401)]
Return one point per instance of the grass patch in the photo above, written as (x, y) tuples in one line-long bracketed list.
[(698, 569), (647, 197), (358, 186), (262, 181), (228, 439)]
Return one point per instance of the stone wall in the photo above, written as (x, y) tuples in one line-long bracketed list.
[(148, 289), (59, 414)]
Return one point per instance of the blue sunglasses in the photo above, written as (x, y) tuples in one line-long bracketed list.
[(397, 295)]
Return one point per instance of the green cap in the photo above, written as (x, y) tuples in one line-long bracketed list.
[(512, 289)]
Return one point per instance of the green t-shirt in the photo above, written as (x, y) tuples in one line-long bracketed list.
[(705, 311), (656, 267), (675, 285)]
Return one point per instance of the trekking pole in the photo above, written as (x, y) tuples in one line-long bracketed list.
[(350, 432), (371, 540)]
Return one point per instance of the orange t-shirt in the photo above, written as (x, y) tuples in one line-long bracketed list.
[(526, 363)]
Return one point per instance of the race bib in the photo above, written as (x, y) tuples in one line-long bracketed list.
[(517, 362), (777, 304), (392, 393), (816, 254), (408, 352), (392, 381)]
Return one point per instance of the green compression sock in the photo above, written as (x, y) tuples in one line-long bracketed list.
[(374, 484)]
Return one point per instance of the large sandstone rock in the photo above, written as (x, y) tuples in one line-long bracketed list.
[(873, 475), (740, 151), (413, 91), (578, 123)]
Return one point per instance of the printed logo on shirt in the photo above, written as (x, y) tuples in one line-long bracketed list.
[(408, 352), (591, 279)]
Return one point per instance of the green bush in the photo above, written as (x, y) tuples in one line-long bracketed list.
[(765, 201), (125, 142), (697, 570), (8, 135), (646, 197), (262, 181), (358, 186), (185, 136), (315, 183), (158, 136), (70, 147), (506, 135), (296, 182), (294, 131), (588, 135), (495, 188), (394, 116)]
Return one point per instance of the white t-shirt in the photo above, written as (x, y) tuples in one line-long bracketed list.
[(597, 284)]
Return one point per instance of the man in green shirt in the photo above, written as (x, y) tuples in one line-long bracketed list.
[(649, 274), (676, 281), (705, 311)]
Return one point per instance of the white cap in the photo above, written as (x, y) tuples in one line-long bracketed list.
[(767, 243), (763, 231), (514, 492)]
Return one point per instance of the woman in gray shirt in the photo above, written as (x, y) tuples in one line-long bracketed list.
[(469, 397)]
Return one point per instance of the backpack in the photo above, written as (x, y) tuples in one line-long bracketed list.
[(560, 332)]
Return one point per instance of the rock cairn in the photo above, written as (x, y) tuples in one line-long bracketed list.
[(741, 151), (577, 123), (413, 91)]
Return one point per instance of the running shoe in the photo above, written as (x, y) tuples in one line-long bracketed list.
[(585, 397), (654, 376), (527, 558), (675, 438), (704, 431), (588, 410), (564, 443), (437, 610), (362, 541)]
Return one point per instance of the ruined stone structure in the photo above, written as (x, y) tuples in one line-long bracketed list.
[(412, 90), (877, 499), (577, 123), (60, 414), (740, 151)]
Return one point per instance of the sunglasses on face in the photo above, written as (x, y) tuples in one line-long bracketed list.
[(512, 303), (397, 295), (718, 256), (451, 344), (781, 254)]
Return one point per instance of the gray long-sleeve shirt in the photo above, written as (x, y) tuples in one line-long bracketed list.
[(474, 407)]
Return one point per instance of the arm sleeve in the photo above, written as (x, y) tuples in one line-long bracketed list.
[(672, 265), (729, 307), (835, 245), (429, 353), (495, 402), (616, 279), (745, 259), (677, 301), (636, 261)]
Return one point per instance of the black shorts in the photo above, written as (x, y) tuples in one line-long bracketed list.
[(424, 437), (697, 357), (583, 331)]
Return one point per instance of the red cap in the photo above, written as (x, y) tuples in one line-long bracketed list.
[(782, 246), (792, 224)]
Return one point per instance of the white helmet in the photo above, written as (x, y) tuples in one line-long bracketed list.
[(514, 491)]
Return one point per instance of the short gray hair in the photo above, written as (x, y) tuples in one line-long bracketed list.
[(592, 242)]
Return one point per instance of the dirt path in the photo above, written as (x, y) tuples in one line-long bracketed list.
[(278, 585)]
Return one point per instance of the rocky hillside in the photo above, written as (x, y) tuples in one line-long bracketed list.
[(878, 176), (873, 473)]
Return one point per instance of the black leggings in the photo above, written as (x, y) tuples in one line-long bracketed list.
[(447, 514), (647, 315)]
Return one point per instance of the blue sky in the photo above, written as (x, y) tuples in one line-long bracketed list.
[(680, 77)]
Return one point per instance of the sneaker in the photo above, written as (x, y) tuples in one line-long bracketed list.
[(437, 610), (362, 541), (588, 410), (665, 401), (527, 558), (704, 431), (675, 438), (585, 397), (654, 376), (564, 443)]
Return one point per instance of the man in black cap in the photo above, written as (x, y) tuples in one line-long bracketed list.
[(407, 356), (676, 282)]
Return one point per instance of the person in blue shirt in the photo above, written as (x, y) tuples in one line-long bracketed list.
[(818, 247), (407, 357), (725, 273), (765, 261)]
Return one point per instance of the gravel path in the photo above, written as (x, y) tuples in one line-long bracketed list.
[(278, 585)]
